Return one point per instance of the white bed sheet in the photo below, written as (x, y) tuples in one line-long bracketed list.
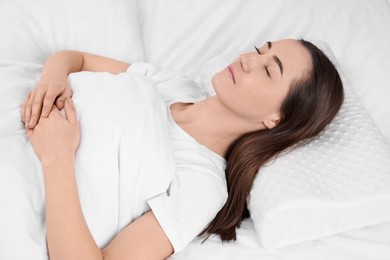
[(183, 34)]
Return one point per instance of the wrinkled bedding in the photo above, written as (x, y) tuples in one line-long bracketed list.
[(181, 35), (125, 157)]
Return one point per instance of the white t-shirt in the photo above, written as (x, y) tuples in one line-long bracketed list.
[(198, 190)]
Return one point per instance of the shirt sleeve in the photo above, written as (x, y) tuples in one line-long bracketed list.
[(172, 85), (195, 196)]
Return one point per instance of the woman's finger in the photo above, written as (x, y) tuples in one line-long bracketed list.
[(36, 108), (28, 108), (63, 97), (70, 111), (48, 102), (22, 110)]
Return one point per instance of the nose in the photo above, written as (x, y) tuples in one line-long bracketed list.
[(250, 61)]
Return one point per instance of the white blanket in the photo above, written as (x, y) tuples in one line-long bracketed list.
[(124, 158)]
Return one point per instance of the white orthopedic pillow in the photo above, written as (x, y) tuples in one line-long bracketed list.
[(33, 30), (339, 181)]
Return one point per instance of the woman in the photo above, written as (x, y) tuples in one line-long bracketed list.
[(265, 102)]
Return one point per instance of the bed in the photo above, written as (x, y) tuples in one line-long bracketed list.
[(185, 35)]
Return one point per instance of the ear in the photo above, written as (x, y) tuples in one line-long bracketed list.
[(272, 121)]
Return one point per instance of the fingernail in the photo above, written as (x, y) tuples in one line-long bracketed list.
[(69, 101), (31, 123)]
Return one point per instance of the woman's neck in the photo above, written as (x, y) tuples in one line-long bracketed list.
[(209, 123)]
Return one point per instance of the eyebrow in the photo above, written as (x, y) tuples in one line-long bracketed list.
[(276, 58)]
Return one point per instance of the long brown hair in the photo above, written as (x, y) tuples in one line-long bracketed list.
[(312, 102)]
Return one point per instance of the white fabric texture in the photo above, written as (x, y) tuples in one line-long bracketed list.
[(125, 157), (369, 243), (131, 153), (339, 181), (33, 30), (198, 189), (183, 35)]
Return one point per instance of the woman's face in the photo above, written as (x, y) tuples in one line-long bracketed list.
[(254, 86)]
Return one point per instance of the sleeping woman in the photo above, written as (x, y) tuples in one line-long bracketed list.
[(265, 102)]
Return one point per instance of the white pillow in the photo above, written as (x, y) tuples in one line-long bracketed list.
[(33, 30), (339, 181)]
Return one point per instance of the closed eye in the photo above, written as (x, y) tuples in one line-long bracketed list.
[(258, 51), (266, 68)]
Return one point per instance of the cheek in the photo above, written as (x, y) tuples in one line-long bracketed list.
[(250, 98), (264, 100), (273, 102)]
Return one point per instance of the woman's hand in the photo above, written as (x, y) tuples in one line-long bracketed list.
[(56, 136), (40, 100), (53, 87)]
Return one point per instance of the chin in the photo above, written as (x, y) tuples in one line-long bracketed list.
[(215, 82)]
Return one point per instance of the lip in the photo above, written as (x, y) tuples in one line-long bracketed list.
[(231, 73)]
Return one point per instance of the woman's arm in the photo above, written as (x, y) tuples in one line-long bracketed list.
[(53, 85), (65, 62), (68, 236), (55, 140)]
